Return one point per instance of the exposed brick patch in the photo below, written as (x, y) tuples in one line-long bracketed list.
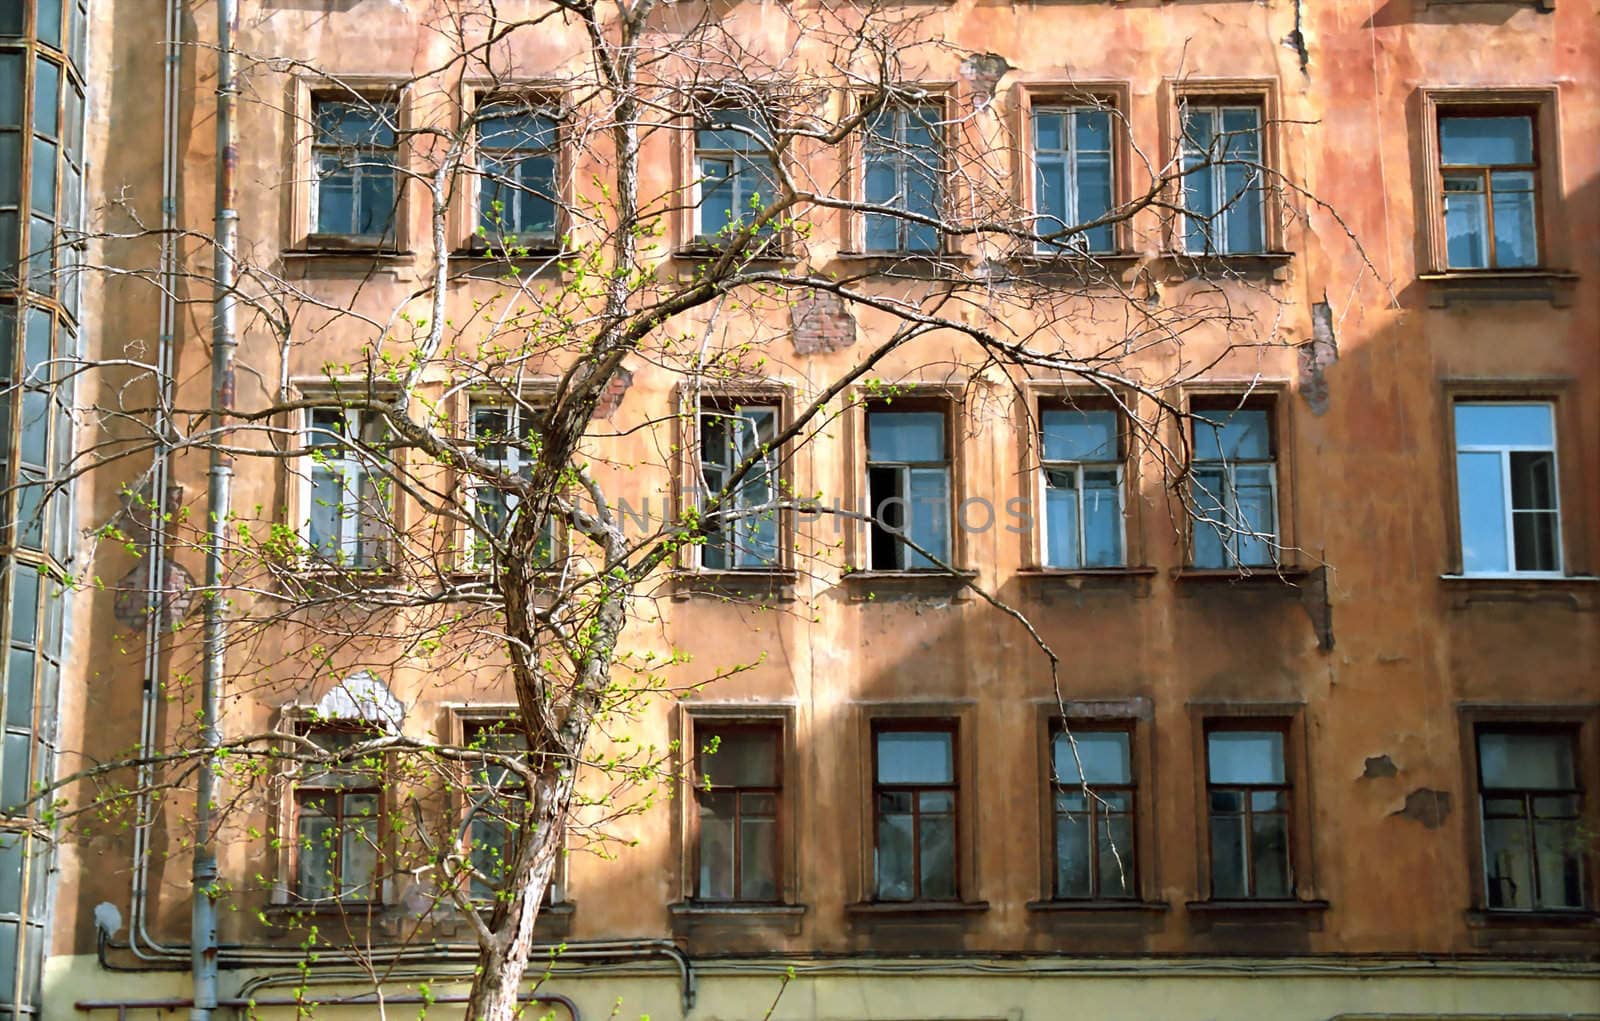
[(1316, 354), (984, 71), (130, 601), (1379, 767), (1427, 806), (138, 509), (616, 389), (821, 322)]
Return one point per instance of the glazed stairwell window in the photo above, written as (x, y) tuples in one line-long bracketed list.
[(1506, 485), (908, 488), (347, 501), (507, 436), (1233, 485), (1224, 202), (903, 157), (1532, 811), (735, 173), (1249, 798), (915, 791), (1073, 182), (518, 158), (1082, 486), (1489, 171), (1093, 804), (746, 536), (355, 175), (739, 783), (337, 829)]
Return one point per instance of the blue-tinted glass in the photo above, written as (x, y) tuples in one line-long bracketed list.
[(48, 25), (1242, 218), (1485, 141), (915, 756), (1480, 481), (517, 130), (906, 436), (1466, 221), (1240, 435), (1102, 519), (10, 167), (36, 346), (1199, 129), (46, 94), (1242, 135), (1079, 435), (716, 195), (1505, 425), (25, 606), (1199, 204), (1094, 198), (733, 130), (1061, 519), (1048, 131), (1104, 754), (929, 517), (1245, 756), (11, 89), (1093, 132), (1052, 195), (11, 874), (356, 124), (19, 689), (377, 200), (14, 758), (10, 18), (43, 188), (1516, 242), (922, 196), (1527, 760)]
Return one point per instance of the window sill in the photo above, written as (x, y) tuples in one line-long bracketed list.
[(1099, 907), (1577, 918), (1256, 910), (934, 911), (1552, 285), (689, 916), (1575, 591), (866, 586), (1046, 580), (364, 908), (768, 252), (776, 584), (1553, 933), (1273, 266), (1255, 576), (337, 246)]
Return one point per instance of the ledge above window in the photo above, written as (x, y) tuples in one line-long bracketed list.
[(897, 585), (1552, 285)]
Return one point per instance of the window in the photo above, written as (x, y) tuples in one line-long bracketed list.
[(908, 488), (1249, 797), (517, 152), (1506, 484), (736, 173), (498, 796), (915, 790), (1223, 200), (506, 435), (1489, 169), (729, 435), (336, 822), (1532, 803), (1072, 178), (738, 789), (349, 492), (1094, 829), (354, 179), (904, 167), (1081, 474), (1234, 487)]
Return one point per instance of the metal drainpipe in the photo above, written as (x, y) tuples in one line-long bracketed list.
[(224, 341)]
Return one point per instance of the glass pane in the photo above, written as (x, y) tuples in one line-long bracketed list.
[(1516, 237), (1102, 518), (35, 445), (1210, 528), (48, 25), (1483, 513), (14, 771), (938, 833), (893, 857), (915, 756), (741, 757), (24, 605), (46, 96), (1094, 198), (733, 131), (19, 688), (11, 65), (508, 128), (1269, 853), (1227, 857), (1245, 756), (36, 346), (929, 517), (716, 845), (1199, 203), (367, 125), (1255, 518), (758, 848), (922, 197), (1511, 759), (1061, 519), (1242, 216), (1072, 855), (42, 260), (1049, 130), (905, 436), (1536, 542), (1558, 856), (327, 510), (716, 196), (1051, 196), (1533, 481), (376, 200), (11, 874), (1508, 865), (10, 167), (1242, 434), (490, 845), (1104, 754), (1070, 435), (336, 209), (10, 24), (1482, 141), (358, 853), (8, 961), (1116, 857), (1466, 222), (1505, 425)]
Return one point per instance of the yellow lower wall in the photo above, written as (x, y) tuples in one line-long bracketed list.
[(908, 990)]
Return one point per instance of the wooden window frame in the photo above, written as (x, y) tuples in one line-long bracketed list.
[(1112, 96), (1055, 787), (1206, 717), (1258, 92), (1526, 795), (520, 401), (535, 96), (302, 792), (690, 399), (853, 152), (301, 132), (302, 489), (702, 786), (1273, 396), (1541, 105), (686, 163), (690, 720), (1248, 813), (917, 400), (920, 725)]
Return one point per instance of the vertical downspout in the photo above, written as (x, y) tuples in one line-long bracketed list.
[(203, 938)]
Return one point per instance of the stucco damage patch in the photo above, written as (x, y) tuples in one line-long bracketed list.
[(1379, 767), (1427, 806), (1316, 354)]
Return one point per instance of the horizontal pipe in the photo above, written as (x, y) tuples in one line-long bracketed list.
[(178, 1003)]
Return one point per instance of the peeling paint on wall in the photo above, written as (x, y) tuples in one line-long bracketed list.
[(1427, 806), (1379, 767), (1316, 354)]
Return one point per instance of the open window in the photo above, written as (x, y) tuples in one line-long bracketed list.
[(748, 530), (909, 484)]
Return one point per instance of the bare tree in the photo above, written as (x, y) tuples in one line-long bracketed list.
[(442, 482)]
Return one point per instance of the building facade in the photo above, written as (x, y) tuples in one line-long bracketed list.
[(1322, 738)]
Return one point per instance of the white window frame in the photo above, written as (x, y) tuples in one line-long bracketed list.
[(904, 554), (350, 464), (897, 152), (1217, 227), (1505, 450), (516, 462), (734, 413), (746, 176), (1077, 468), (1067, 156), (1229, 504)]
